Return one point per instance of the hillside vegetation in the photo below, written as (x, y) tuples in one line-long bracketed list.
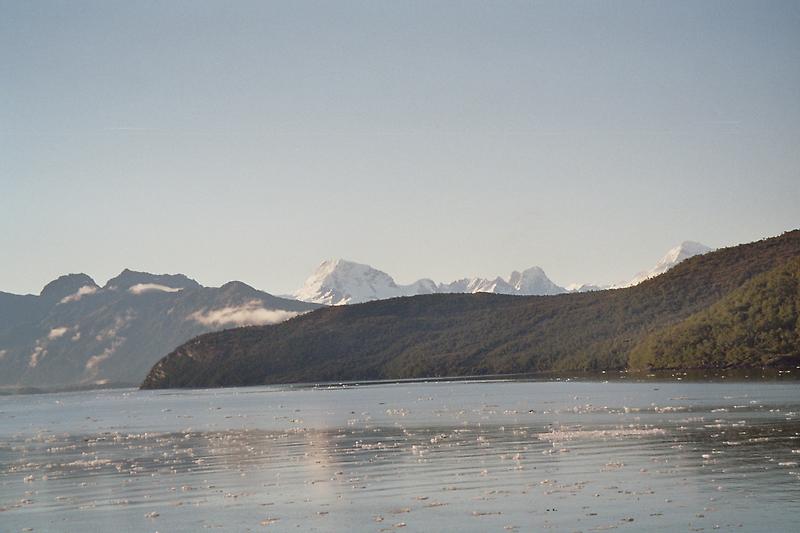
[(755, 324), (473, 334)]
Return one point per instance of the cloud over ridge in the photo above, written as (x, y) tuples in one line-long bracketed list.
[(83, 291), (141, 288), (251, 313)]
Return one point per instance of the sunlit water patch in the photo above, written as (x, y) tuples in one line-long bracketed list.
[(477, 456)]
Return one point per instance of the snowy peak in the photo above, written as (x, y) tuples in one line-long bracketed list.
[(473, 285), (533, 281), (680, 253), (684, 250), (530, 282), (587, 287), (422, 286), (337, 282)]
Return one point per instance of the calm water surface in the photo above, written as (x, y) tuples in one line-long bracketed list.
[(451, 456)]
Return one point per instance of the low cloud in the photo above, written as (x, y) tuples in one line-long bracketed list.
[(56, 333), (120, 322), (83, 291), (3, 353), (38, 353), (141, 288), (250, 314), (94, 361)]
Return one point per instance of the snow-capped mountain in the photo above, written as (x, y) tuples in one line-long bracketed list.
[(533, 281), (683, 251), (338, 282), (530, 282), (588, 287)]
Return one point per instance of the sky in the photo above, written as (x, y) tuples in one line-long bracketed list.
[(251, 140)]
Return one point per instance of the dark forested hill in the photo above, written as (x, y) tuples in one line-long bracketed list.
[(468, 334), (758, 323)]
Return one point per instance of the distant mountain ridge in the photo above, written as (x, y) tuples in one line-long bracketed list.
[(339, 282), (76, 332)]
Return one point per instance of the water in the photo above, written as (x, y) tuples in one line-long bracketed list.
[(450, 456)]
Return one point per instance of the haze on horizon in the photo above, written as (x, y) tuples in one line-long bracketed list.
[(428, 139)]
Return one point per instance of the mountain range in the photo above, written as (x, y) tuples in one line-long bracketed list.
[(339, 282), (78, 333), (737, 306)]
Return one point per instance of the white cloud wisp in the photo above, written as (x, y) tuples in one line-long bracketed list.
[(250, 314), (74, 297), (56, 333), (141, 288)]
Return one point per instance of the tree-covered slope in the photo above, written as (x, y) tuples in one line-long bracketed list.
[(755, 324), (457, 334)]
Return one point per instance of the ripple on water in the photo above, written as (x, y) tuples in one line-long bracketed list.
[(419, 456)]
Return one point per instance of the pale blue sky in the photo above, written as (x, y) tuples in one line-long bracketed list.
[(251, 140)]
